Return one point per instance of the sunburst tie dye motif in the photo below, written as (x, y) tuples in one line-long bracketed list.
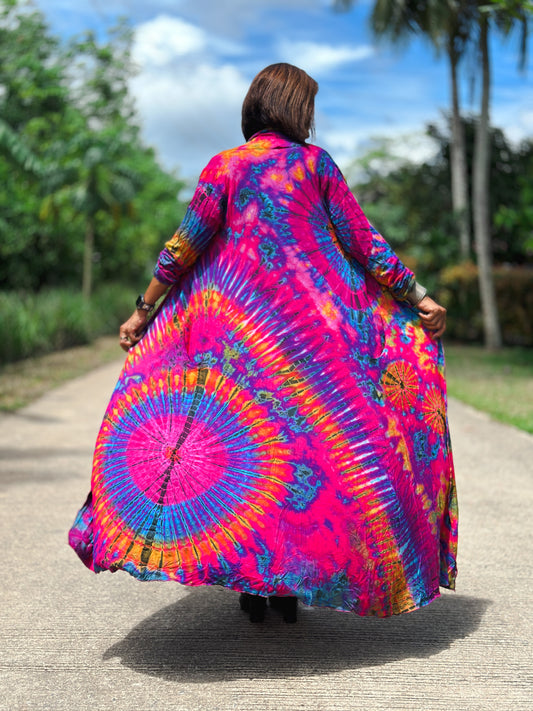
[(281, 426)]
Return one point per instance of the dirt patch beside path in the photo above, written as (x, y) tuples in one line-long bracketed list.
[(26, 380)]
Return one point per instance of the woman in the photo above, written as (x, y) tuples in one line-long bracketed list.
[(280, 426)]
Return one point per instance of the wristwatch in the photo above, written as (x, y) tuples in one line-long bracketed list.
[(141, 304)]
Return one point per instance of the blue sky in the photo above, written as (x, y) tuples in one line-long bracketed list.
[(196, 59)]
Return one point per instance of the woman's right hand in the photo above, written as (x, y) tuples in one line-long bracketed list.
[(432, 315), (131, 331)]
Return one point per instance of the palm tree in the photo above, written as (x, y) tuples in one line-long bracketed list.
[(456, 24), (480, 198), (448, 30), (15, 148), (93, 182), (504, 14), (454, 34)]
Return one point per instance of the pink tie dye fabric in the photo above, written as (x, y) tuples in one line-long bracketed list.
[(281, 427)]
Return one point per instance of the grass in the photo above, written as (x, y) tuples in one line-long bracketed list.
[(55, 319), (26, 380), (53, 336), (498, 383)]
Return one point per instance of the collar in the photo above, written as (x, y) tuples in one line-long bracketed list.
[(271, 138)]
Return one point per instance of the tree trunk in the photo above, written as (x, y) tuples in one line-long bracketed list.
[(458, 170), (482, 226), (88, 249)]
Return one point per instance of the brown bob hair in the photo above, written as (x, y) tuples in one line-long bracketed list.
[(282, 98)]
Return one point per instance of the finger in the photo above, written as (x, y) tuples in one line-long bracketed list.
[(125, 341), (432, 317), (132, 335), (439, 326), (427, 318), (426, 315)]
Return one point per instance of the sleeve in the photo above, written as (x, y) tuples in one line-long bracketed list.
[(203, 219), (357, 236)]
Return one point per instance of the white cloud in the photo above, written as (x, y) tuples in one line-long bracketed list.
[(188, 98), (190, 112), (515, 117), (197, 58), (165, 38), (319, 58), (400, 144), (233, 17)]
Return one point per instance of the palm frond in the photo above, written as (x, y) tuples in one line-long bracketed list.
[(16, 150)]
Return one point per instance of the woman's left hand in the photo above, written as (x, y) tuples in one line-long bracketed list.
[(131, 331), (433, 315)]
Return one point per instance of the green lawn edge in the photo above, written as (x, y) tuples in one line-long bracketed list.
[(497, 383)]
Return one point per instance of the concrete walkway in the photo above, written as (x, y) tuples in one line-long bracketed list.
[(73, 640)]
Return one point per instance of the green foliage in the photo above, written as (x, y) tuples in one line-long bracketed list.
[(32, 104), (411, 206), (101, 73), (17, 150), (71, 160), (515, 8), (411, 203), (34, 324), (30, 73), (509, 164), (460, 29), (514, 294), (514, 216)]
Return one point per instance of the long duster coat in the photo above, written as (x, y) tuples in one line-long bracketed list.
[(281, 426)]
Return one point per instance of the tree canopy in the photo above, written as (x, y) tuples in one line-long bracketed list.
[(72, 161), (411, 202)]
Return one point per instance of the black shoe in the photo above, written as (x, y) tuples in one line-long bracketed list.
[(288, 606), (254, 605), (244, 601)]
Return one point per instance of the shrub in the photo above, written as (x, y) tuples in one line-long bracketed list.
[(459, 293), (37, 323)]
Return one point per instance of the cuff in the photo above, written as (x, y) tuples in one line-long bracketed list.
[(167, 269), (415, 294)]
